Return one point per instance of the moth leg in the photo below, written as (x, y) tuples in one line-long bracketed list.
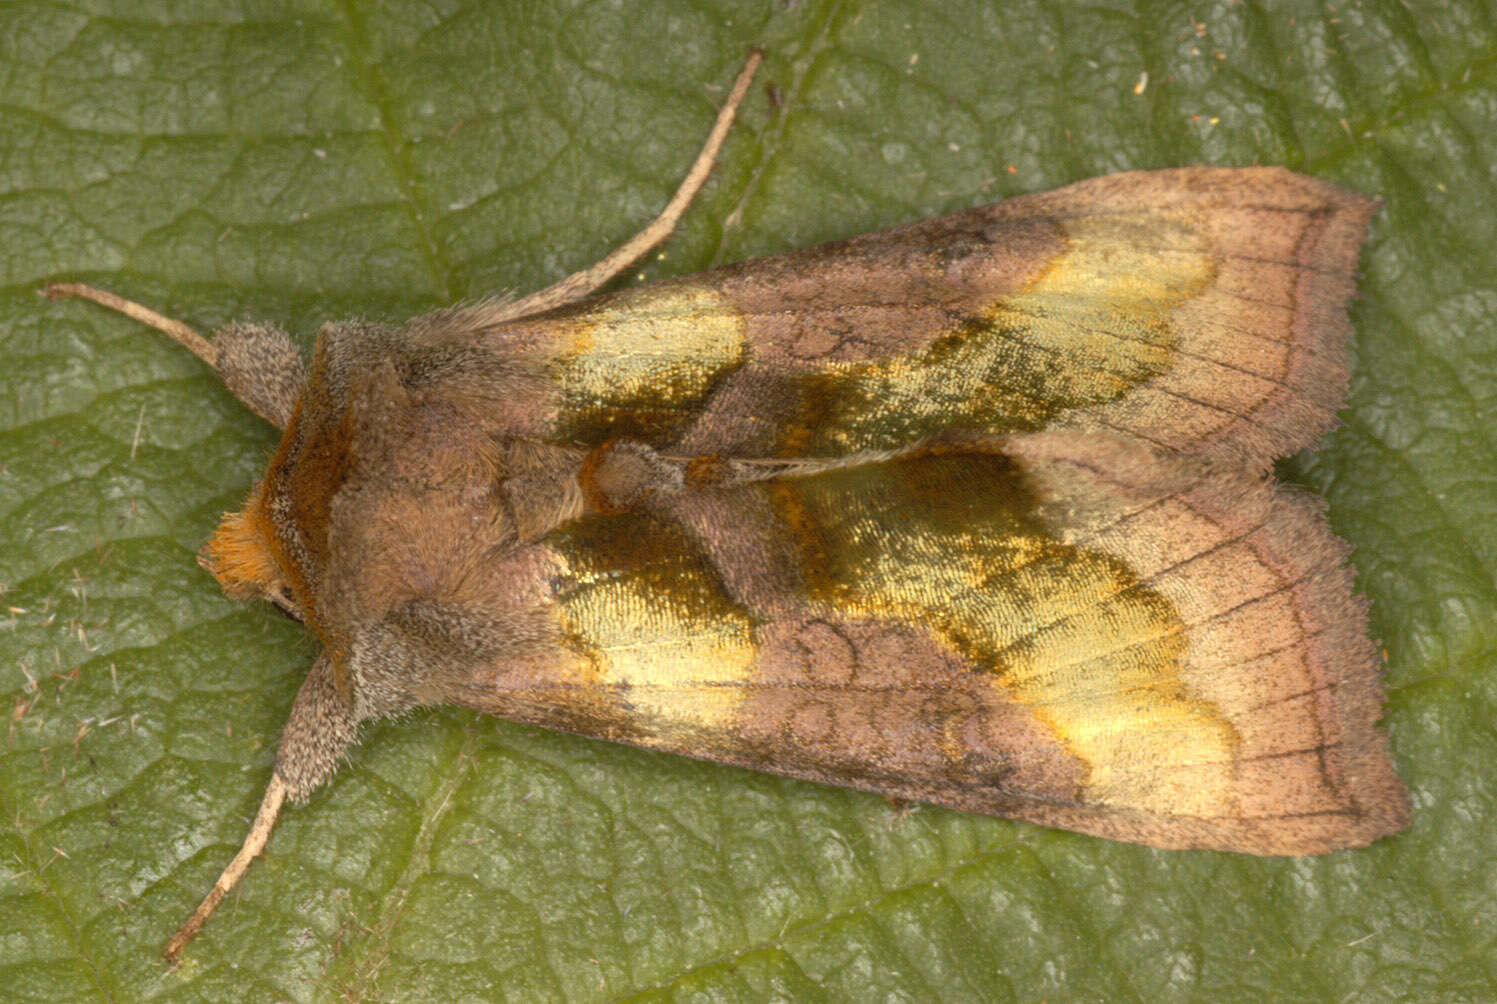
[(258, 363), (259, 836), (177, 331), (321, 728), (580, 284)]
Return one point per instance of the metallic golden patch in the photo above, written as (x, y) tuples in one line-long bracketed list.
[(1091, 326), (647, 611), (951, 544), (642, 364), (1101, 311)]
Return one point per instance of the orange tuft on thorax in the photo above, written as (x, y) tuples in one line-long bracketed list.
[(241, 554)]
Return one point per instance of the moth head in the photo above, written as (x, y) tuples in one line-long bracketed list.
[(242, 556)]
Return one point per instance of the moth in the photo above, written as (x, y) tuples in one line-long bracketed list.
[(976, 512)]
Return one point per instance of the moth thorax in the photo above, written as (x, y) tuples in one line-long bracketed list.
[(241, 553)]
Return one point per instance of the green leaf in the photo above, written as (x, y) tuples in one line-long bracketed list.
[(302, 162)]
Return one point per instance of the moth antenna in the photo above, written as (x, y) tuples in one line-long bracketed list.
[(174, 329), (259, 836), (580, 284)]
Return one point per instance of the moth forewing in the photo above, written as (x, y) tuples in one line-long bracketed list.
[(975, 511)]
